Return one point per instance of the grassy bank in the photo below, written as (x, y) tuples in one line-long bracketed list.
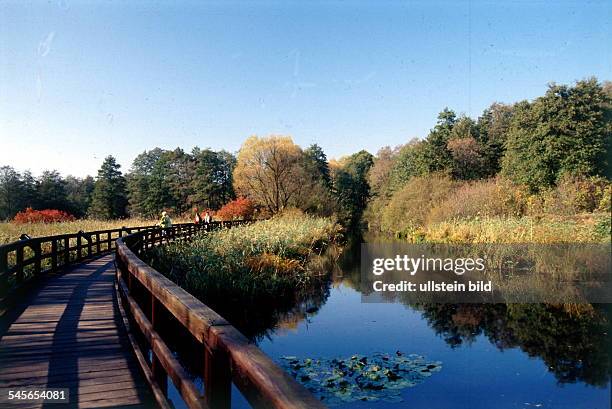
[(438, 209), (265, 259), (588, 228)]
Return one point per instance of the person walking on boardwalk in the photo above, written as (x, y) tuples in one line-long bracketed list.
[(198, 218), (207, 218), (165, 222)]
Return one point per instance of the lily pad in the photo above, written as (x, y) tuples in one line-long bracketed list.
[(360, 378)]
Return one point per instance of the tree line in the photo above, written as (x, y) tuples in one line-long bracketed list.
[(566, 131), (532, 143), (158, 180)]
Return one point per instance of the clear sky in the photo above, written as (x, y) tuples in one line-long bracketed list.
[(80, 80)]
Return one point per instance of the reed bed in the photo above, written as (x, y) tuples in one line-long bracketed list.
[(592, 228), (266, 258)]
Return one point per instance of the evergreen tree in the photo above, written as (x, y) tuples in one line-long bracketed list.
[(10, 190), (28, 193), (109, 199), (212, 180), (79, 193), (567, 131), (51, 191), (436, 156), (181, 170), (493, 127), (351, 187), (316, 163), (138, 181)]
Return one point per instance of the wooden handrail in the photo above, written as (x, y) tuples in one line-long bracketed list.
[(24, 261), (150, 299)]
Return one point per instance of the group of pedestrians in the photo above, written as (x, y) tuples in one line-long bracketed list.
[(166, 222), (198, 217)]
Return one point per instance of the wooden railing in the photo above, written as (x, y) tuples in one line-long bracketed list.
[(24, 261), (160, 311)]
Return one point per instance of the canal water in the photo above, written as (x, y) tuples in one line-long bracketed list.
[(487, 356)]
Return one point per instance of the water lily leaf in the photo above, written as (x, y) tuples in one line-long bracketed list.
[(379, 376)]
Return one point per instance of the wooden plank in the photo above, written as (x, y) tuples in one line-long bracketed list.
[(39, 368), (69, 337), (84, 379)]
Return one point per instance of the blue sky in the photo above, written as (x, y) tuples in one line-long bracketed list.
[(81, 80)]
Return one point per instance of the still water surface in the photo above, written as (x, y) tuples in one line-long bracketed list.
[(493, 356)]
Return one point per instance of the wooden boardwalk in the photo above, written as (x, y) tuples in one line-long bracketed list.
[(71, 335)]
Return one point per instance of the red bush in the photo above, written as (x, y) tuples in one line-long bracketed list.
[(30, 215), (241, 208)]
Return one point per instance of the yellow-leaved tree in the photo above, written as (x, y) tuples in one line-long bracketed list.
[(271, 172)]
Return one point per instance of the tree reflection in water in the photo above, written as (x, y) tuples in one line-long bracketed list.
[(572, 339), (258, 318)]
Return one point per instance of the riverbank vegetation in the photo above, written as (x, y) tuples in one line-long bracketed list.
[(529, 172), (436, 208), (266, 260)]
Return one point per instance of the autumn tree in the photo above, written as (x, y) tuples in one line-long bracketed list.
[(468, 159), (271, 172), (380, 172)]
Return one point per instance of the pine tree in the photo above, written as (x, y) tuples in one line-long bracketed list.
[(109, 198)]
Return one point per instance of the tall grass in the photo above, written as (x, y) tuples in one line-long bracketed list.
[(10, 231), (435, 209), (267, 258), (586, 228)]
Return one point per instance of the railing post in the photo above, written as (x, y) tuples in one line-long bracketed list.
[(3, 261), (159, 373), (37, 254), (97, 243), (79, 246), (89, 246), (19, 263), (3, 270), (66, 251), (54, 255), (217, 379), (109, 241)]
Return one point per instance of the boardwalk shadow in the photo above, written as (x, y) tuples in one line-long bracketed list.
[(66, 333), (83, 292)]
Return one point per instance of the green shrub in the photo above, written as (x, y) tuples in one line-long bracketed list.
[(574, 194), (409, 207), (603, 228), (483, 198)]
